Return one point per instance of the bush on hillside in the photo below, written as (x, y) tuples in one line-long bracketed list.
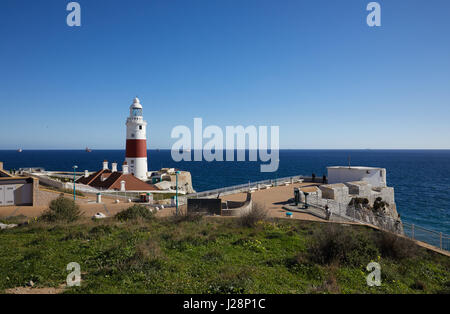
[(337, 244), (257, 213), (135, 212), (62, 209), (396, 247)]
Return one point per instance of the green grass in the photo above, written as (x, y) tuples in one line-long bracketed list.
[(211, 255)]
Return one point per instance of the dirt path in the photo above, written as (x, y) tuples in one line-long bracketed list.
[(30, 290)]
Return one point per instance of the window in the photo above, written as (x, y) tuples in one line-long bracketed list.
[(132, 162), (132, 134), (140, 127), (136, 112)]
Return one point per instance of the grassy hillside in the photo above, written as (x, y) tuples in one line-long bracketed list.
[(216, 255)]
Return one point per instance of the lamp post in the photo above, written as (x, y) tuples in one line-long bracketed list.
[(176, 193), (74, 168)]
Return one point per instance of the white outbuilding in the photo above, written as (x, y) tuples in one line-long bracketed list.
[(376, 177)]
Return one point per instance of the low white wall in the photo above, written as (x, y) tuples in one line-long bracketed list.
[(47, 181)]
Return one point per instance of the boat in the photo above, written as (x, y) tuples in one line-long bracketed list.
[(19, 150), (88, 150)]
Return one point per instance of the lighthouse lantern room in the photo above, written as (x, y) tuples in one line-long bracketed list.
[(136, 147)]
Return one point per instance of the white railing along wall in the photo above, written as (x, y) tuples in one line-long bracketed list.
[(249, 186)]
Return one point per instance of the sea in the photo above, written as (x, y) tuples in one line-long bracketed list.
[(421, 178)]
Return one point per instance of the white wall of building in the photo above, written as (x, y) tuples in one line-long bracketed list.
[(374, 176)]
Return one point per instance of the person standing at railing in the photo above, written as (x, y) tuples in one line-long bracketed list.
[(327, 212)]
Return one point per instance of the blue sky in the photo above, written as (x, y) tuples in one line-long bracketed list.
[(313, 67)]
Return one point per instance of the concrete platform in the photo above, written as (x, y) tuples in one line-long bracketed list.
[(275, 198)]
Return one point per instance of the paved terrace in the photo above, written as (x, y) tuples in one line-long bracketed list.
[(275, 198)]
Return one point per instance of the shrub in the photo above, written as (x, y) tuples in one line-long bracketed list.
[(135, 212), (256, 214), (379, 204), (356, 201), (396, 247), (337, 244), (62, 209)]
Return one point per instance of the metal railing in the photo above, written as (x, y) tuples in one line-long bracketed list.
[(434, 238), (248, 186), (351, 213)]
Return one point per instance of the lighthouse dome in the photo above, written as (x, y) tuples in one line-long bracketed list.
[(136, 104)]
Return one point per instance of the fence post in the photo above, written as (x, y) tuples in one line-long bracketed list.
[(440, 239), (412, 231)]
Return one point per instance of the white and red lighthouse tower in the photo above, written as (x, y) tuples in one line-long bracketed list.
[(136, 150)]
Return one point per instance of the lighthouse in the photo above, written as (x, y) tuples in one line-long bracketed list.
[(136, 149)]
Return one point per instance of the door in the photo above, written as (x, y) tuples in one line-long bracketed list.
[(9, 195)]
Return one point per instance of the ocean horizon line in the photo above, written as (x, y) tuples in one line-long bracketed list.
[(281, 149)]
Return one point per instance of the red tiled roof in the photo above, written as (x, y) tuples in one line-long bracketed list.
[(111, 180), (132, 184), (92, 177)]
